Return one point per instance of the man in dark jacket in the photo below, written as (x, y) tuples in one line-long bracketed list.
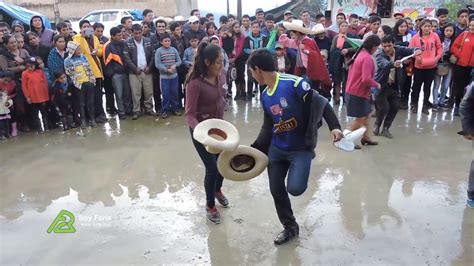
[(37, 26), (288, 134), (467, 122), (139, 58), (115, 69), (390, 76)]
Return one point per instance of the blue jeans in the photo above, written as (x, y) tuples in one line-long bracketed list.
[(438, 98), (169, 91), (297, 164), (213, 180), (118, 83)]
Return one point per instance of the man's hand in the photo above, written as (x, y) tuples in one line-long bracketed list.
[(417, 52), (398, 63), (173, 68), (147, 70), (378, 86), (28, 100), (344, 51), (336, 135)]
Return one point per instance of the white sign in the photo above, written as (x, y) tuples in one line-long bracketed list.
[(348, 7), (415, 8)]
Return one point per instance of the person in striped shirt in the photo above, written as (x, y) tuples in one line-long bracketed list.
[(167, 60)]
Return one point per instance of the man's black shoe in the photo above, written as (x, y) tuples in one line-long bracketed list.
[(286, 235)]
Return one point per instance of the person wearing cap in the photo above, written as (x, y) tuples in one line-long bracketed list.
[(92, 50), (78, 69), (398, 16), (418, 21), (260, 17), (292, 113), (288, 16), (17, 28), (194, 29), (269, 25), (282, 61)]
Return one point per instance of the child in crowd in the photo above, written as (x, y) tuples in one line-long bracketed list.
[(190, 52), (282, 61), (188, 57), (215, 40), (35, 89), (5, 104), (79, 71), (167, 60), (8, 85), (62, 98)]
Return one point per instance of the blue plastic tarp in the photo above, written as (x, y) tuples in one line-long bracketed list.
[(22, 14)]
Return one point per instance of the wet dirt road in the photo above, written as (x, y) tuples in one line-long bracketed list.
[(136, 191)]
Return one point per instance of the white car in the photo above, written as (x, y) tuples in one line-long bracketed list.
[(109, 17)]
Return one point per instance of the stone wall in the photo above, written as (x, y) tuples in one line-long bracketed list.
[(73, 9)]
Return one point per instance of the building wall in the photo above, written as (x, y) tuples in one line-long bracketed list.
[(71, 9)]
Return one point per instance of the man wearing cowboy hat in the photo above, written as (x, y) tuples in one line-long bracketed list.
[(309, 61), (292, 115)]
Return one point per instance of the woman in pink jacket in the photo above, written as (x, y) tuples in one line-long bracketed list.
[(358, 88), (425, 64)]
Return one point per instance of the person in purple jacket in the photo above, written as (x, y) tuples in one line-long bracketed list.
[(37, 26), (205, 90)]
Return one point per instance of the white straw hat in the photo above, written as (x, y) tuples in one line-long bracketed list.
[(217, 135), (241, 164)]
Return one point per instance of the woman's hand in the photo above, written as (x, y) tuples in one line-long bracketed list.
[(336, 135)]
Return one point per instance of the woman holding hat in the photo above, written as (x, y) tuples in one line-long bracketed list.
[(205, 90)]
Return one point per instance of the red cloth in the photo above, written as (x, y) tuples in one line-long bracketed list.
[(464, 53), (35, 86), (361, 75), (9, 87), (238, 46), (316, 69)]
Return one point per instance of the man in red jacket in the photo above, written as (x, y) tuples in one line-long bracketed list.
[(463, 54)]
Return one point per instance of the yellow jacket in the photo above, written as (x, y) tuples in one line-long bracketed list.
[(95, 64)]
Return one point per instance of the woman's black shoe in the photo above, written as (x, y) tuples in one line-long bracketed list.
[(286, 235), (369, 142)]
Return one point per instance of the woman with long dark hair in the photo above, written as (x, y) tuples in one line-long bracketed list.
[(341, 52), (425, 64), (205, 92), (402, 38), (238, 59), (359, 84), (444, 73), (15, 63)]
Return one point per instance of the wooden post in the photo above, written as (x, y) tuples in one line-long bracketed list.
[(239, 9)]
